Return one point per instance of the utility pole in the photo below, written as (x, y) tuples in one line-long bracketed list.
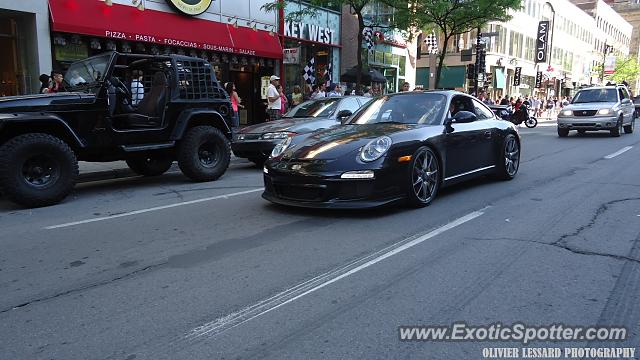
[(478, 62), (604, 58)]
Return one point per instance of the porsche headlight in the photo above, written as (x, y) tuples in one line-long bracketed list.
[(281, 147), (375, 149), (567, 113), (604, 111), (277, 135)]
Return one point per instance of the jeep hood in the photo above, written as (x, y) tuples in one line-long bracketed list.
[(43, 102)]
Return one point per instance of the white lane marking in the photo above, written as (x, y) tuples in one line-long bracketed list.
[(242, 316), (142, 211), (621, 151)]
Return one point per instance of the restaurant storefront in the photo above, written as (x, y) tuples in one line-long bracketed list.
[(241, 50), (314, 37)]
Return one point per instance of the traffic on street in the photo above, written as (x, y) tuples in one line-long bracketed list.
[(319, 179), (141, 267)]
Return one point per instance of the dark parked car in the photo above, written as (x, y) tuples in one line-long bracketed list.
[(398, 147), (256, 142), (183, 114)]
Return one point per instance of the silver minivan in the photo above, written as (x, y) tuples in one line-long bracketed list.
[(598, 108)]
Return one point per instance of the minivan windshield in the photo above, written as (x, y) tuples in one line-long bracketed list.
[(314, 108), (595, 95), (414, 108)]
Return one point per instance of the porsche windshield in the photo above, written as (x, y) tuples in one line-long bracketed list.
[(87, 72), (414, 108), (314, 108)]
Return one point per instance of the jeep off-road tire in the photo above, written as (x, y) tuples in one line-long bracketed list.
[(150, 166), (37, 170), (204, 153)]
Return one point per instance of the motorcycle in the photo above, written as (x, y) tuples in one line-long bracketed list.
[(517, 117)]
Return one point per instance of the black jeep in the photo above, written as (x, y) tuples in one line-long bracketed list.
[(147, 110)]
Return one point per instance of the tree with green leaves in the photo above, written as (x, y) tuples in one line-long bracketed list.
[(627, 69), (450, 18), (356, 7)]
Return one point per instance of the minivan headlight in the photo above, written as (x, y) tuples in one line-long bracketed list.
[(375, 149), (604, 111), (281, 147)]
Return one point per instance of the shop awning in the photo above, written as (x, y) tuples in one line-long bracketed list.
[(122, 22)]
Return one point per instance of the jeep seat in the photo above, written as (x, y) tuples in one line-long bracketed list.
[(151, 107)]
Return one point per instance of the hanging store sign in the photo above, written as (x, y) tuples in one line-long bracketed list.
[(542, 41), (190, 7), (538, 79), (517, 76), (609, 64), (291, 56)]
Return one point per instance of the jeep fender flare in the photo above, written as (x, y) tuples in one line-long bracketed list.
[(191, 116), (39, 123)]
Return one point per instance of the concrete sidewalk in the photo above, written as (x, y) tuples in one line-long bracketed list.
[(94, 171)]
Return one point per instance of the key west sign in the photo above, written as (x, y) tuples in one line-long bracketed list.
[(311, 32)]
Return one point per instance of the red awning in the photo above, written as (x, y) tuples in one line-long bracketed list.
[(92, 17)]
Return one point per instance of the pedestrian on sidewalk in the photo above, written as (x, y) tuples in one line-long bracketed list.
[(283, 100), (44, 83), (235, 103), (274, 99), (296, 97), (56, 85)]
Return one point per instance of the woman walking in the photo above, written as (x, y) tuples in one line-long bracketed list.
[(235, 103)]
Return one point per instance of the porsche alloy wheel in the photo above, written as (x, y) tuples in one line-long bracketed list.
[(425, 177)]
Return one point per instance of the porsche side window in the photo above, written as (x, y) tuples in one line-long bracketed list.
[(481, 111)]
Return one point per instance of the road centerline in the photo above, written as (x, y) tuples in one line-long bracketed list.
[(619, 152), (155, 208), (224, 323)]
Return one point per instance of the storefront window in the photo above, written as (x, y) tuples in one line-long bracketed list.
[(388, 58), (379, 58)]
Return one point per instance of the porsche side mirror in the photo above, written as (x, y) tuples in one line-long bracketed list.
[(344, 114), (462, 117)]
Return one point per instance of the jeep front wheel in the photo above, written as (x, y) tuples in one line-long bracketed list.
[(37, 169), (204, 153), (150, 166)]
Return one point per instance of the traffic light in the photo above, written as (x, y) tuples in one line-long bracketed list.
[(471, 71), (489, 79)]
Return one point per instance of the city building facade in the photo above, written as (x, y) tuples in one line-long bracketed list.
[(26, 45), (576, 40), (313, 42), (392, 53), (239, 38)]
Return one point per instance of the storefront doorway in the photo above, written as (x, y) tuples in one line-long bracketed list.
[(9, 60)]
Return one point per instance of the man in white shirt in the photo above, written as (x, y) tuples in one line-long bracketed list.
[(273, 97), (137, 89)]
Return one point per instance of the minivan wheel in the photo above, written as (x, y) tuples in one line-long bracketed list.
[(204, 153), (617, 130), (37, 170), (628, 129)]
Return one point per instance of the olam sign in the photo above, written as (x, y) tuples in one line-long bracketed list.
[(541, 41)]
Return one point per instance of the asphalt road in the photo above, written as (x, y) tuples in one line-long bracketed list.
[(162, 268)]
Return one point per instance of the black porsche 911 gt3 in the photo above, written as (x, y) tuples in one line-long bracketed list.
[(404, 146)]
